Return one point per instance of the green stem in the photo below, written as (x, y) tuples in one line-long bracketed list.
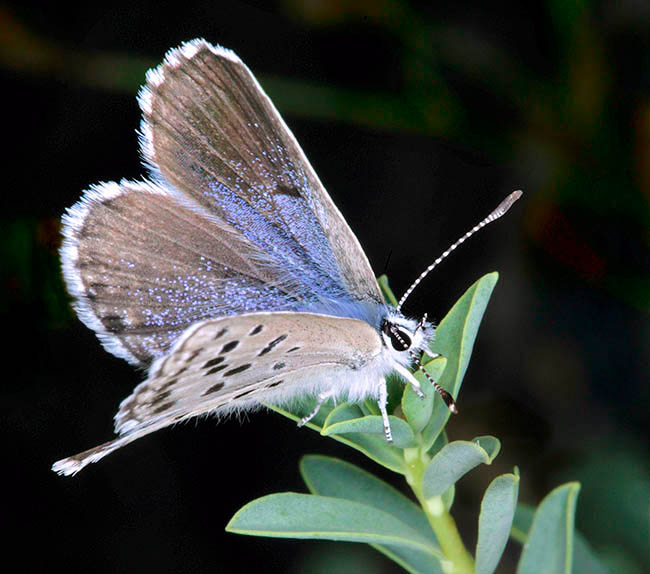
[(458, 559)]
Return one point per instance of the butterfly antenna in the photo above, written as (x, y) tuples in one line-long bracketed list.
[(445, 395), (387, 263), (504, 206)]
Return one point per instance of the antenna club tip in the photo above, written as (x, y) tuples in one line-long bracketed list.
[(501, 209), (453, 408), (506, 204)]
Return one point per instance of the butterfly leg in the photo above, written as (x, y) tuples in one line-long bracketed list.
[(408, 375), (383, 399), (322, 397)]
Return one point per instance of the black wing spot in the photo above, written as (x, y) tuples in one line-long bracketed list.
[(160, 397), (165, 407), (180, 372), (194, 355), (293, 349), (169, 383), (113, 323), (213, 389), (83, 232), (288, 190), (94, 287), (112, 205), (256, 330), (240, 395), (214, 370), (220, 334), (229, 347), (237, 370), (279, 366), (275, 384), (213, 362), (272, 344)]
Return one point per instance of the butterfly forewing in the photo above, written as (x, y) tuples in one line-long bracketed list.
[(211, 131)]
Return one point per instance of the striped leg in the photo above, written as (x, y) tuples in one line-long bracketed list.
[(322, 397), (383, 399)]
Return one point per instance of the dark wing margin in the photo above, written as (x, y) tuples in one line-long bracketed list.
[(211, 131)]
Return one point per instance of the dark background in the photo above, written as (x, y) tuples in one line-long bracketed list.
[(418, 120)]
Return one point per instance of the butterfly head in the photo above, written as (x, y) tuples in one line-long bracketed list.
[(405, 338)]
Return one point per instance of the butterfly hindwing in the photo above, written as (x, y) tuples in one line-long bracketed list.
[(144, 264), (229, 363), (225, 362)]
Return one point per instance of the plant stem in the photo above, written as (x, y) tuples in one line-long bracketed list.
[(459, 560)]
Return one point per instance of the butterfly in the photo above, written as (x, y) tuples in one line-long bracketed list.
[(229, 274)]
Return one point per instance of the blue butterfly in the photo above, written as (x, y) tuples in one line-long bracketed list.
[(229, 274)]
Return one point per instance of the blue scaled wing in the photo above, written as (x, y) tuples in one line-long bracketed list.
[(234, 220)]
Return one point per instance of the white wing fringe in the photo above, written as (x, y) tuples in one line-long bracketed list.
[(73, 464)]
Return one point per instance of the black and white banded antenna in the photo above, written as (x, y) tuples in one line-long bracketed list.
[(501, 209)]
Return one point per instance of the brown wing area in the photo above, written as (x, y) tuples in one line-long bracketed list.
[(211, 131), (145, 265)]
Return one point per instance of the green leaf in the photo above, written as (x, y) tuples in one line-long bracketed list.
[(441, 442), (369, 407), (495, 521), (374, 425), (522, 522), (549, 545), (374, 447), (328, 476), (454, 340), (585, 560), (341, 413), (454, 461), (332, 477), (382, 280), (418, 410), (292, 515), (395, 386), (491, 445)]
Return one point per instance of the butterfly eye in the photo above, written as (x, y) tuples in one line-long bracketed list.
[(399, 339)]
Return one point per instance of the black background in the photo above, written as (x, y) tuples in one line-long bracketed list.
[(418, 121)]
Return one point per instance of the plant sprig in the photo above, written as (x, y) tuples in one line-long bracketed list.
[(349, 504)]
